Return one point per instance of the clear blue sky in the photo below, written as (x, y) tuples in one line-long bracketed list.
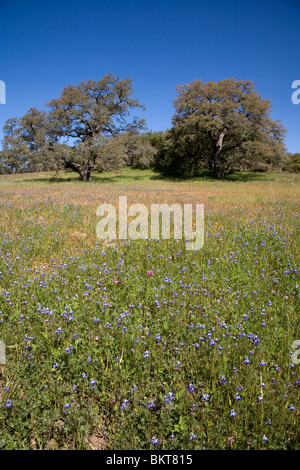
[(158, 43)]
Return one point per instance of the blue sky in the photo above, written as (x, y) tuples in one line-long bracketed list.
[(159, 44)]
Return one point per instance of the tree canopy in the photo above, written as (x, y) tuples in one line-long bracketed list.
[(90, 113), (28, 142), (223, 126), (219, 124)]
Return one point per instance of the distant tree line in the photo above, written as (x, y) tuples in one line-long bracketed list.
[(223, 126)]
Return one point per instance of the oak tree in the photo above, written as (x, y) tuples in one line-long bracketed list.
[(216, 123), (89, 114)]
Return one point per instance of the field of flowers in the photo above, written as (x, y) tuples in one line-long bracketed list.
[(145, 344)]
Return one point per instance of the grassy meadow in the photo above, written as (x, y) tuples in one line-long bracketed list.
[(130, 345)]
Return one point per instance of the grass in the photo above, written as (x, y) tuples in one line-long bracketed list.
[(144, 344)]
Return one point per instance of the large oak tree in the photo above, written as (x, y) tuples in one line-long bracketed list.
[(90, 114), (219, 123)]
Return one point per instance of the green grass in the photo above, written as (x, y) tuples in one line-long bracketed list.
[(133, 176), (155, 340)]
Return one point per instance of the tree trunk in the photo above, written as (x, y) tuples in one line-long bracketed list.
[(218, 166), (219, 172), (83, 170), (85, 174)]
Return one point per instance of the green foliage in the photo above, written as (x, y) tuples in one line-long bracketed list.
[(28, 143), (223, 125), (92, 112), (294, 163)]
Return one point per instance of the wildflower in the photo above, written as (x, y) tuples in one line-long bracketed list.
[(154, 441), (124, 405), (260, 398), (93, 384), (292, 407), (8, 404), (150, 273), (169, 398), (192, 436), (205, 397), (247, 360), (265, 438), (222, 380), (146, 354), (191, 388), (232, 413), (115, 281), (151, 404)]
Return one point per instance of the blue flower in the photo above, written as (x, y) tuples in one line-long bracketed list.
[(124, 405), (222, 380), (191, 388), (154, 441), (169, 398), (93, 384), (151, 404), (66, 406)]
